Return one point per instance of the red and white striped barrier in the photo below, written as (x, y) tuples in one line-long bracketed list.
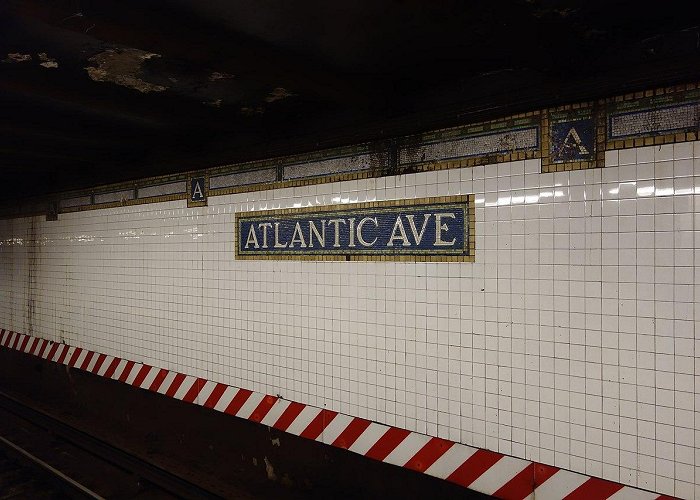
[(477, 469)]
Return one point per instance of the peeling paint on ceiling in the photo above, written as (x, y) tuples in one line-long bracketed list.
[(123, 67), (16, 57), (218, 75), (46, 61), (277, 94)]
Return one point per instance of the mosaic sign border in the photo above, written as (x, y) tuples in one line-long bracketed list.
[(470, 240)]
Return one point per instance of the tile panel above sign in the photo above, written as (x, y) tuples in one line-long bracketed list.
[(489, 142), (656, 117)]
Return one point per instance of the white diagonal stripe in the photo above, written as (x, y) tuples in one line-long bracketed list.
[(303, 420), (167, 381), (407, 449), (450, 461), (103, 368), (560, 484), (226, 398), (630, 493), (335, 428), (133, 374), (205, 392), (250, 405), (499, 474), (59, 352), (275, 412), (120, 368), (150, 377), (37, 347), (28, 345), (93, 362), (81, 358), (185, 387), (368, 438)]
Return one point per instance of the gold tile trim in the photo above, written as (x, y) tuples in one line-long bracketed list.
[(471, 243)]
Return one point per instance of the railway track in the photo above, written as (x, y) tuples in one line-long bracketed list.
[(44, 458)]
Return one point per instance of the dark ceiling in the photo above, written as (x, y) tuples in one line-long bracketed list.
[(98, 91)]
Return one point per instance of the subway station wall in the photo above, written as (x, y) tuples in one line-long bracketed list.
[(571, 340)]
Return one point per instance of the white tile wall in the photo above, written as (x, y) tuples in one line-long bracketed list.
[(571, 340)]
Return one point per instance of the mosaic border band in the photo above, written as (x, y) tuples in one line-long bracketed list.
[(569, 137), (482, 470)]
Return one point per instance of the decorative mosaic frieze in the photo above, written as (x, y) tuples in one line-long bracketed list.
[(78, 201), (162, 189), (332, 166), (666, 116), (114, 196), (246, 178), (487, 141)]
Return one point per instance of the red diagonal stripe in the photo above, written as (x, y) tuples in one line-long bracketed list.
[(175, 385), (261, 410), (8, 339), (63, 355), (24, 343), (194, 390), (74, 357), (238, 400), (98, 364), (14, 344), (86, 361), (288, 415), (34, 344), (112, 368), (155, 385), (52, 351), (44, 345), (318, 424), (5, 336), (386, 444), (351, 433), (141, 375), (215, 395), (594, 488), (126, 371), (474, 466), (428, 454), (522, 484)]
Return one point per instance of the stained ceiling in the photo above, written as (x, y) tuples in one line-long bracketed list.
[(98, 91)]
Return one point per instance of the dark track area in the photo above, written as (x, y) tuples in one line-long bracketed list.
[(57, 451), (20, 481)]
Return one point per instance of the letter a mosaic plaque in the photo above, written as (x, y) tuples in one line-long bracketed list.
[(427, 229)]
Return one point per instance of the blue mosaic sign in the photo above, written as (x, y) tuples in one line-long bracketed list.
[(197, 189), (428, 229), (572, 140)]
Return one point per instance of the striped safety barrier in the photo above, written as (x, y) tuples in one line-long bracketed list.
[(485, 471)]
